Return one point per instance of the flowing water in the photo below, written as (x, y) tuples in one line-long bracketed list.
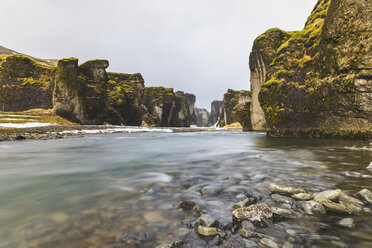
[(121, 190)]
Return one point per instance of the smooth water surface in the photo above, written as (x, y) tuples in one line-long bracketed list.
[(93, 191)]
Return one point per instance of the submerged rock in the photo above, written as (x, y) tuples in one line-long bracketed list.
[(242, 204), (312, 208), (347, 222), (288, 190), (365, 195), (250, 234), (259, 214), (269, 242), (207, 221), (207, 231), (283, 213), (186, 205), (211, 190), (171, 245), (248, 225)]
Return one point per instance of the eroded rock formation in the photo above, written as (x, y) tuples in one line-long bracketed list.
[(80, 92), (87, 94), (318, 81), (25, 84), (202, 117), (236, 108), (216, 110)]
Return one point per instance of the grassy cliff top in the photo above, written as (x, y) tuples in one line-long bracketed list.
[(46, 62)]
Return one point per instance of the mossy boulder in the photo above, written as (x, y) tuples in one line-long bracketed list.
[(318, 82), (25, 84)]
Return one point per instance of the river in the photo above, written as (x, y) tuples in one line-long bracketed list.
[(103, 190)]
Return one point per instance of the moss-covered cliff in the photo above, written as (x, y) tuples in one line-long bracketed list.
[(234, 107), (125, 92), (165, 108), (317, 81), (25, 84)]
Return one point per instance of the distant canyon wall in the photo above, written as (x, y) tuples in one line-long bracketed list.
[(87, 94)]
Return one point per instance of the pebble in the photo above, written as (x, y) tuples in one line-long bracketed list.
[(288, 190), (347, 222), (174, 244), (249, 244), (242, 204), (365, 195), (211, 190), (369, 167), (284, 213), (269, 242), (281, 199), (331, 195), (248, 225), (259, 214), (207, 231), (207, 221), (312, 208), (250, 234), (303, 196)]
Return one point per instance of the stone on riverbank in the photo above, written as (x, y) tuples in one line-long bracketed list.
[(259, 214), (281, 199), (242, 204), (347, 222), (288, 190), (312, 208), (269, 242), (207, 221), (365, 195), (330, 195), (303, 196), (250, 234), (207, 231), (284, 213), (171, 245)]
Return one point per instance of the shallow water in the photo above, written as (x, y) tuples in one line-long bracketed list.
[(101, 189)]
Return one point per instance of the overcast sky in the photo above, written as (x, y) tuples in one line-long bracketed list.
[(198, 46)]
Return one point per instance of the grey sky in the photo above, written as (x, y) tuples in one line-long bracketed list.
[(198, 46)]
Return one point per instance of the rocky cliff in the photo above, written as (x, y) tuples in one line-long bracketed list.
[(317, 81), (125, 94), (25, 84), (216, 110), (87, 94), (235, 105), (165, 108), (202, 117), (80, 92)]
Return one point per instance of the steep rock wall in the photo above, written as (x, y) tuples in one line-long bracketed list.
[(25, 84), (165, 108), (262, 55), (80, 91), (233, 104), (202, 117), (125, 93), (319, 82), (216, 111)]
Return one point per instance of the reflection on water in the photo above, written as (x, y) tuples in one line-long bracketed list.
[(93, 191)]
